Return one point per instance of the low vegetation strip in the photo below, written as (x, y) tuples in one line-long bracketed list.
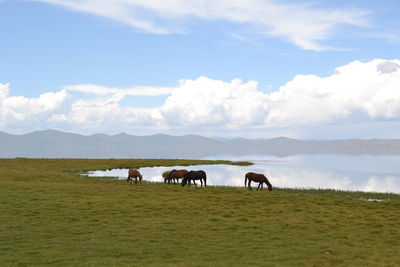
[(51, 215)]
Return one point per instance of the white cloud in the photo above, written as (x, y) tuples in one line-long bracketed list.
[(103, 116), (355, 93), (355, 87), (20, 112), (389, 36), (211, 102), (102, 90), (308, 99), (382, 184), (305, 25), (4, 88)]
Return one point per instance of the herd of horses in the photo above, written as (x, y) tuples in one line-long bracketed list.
[(193, 176)]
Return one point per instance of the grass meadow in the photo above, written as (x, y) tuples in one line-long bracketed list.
[(51, 215)]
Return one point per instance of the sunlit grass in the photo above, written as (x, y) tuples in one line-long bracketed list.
[(51, 215)]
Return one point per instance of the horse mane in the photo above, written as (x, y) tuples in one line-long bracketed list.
[(186, 175)]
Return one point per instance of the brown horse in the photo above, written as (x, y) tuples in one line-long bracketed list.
[(133, 173), (256, 177), (175, 175)]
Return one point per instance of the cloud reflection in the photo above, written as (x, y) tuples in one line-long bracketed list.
[(295, 173)]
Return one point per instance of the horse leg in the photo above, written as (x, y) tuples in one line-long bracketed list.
[(249, 185), (194, 183), (201, 181), (205, 182), (259, 184), (140, 179)]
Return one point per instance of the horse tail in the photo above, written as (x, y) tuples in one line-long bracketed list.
[(245, 179), (205, 179)]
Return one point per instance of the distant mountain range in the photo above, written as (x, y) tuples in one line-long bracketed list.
[(56, 144)]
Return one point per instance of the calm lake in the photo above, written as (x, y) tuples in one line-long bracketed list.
[(354, 173)]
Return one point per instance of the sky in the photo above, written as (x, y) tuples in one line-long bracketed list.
[(219, 68)]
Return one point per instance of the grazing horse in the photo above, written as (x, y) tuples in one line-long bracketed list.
[(133, 173), (175, 175), (165, 175), (195, 175), (259, 178)]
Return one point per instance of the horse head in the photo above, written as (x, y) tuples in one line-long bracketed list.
[(186, 178), (269, 187), (184, 181), (268, 184)]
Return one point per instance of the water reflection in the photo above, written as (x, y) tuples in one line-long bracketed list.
[(355, 173)]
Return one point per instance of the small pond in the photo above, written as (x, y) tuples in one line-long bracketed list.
[(354, 173)]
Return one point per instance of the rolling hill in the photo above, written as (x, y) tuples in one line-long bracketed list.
[(56, 144)]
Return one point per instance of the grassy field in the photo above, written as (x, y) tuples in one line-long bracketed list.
[(50, 215)]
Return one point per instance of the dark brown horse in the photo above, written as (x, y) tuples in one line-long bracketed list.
[(256, 177), (195, 175), (133, 173), (175, 175)]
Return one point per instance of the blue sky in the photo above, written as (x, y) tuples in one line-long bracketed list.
[(137, 66)]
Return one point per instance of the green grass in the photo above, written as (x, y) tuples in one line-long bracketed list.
[(50, 215)]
